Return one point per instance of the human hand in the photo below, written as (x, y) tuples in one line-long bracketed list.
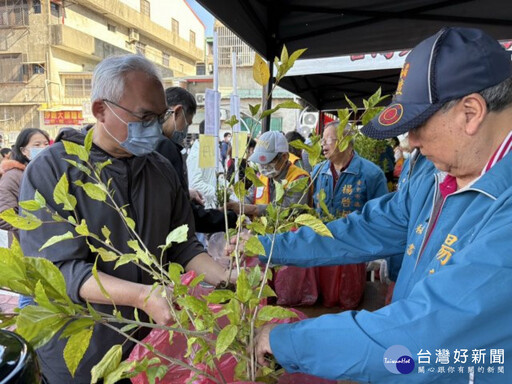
[(196, 196), (242, 239), (155, 302), (262, 343), (233, 206)]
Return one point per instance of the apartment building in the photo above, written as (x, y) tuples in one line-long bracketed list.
[(49, 48)]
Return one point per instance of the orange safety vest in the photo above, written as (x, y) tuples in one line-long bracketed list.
[(262, 194), (293, 158)]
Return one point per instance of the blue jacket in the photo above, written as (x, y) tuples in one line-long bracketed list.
[(360, 182), (453, 292)]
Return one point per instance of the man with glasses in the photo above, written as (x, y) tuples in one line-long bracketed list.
[(183, 105), (346, 181), (129, 105)]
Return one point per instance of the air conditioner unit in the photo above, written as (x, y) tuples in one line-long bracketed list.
[(308, 123), (199, 99), (133, 35)]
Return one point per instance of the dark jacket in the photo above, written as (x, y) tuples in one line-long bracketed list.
[(149, 189), (9, 192), (206, 220)]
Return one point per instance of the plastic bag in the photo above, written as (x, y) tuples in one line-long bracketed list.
[(176, 374), (295, 286), (341, 286)]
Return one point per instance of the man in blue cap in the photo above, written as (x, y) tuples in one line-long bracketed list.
[(450, 317)]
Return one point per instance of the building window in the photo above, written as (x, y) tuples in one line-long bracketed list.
[(145, 7), (77, 87), (55, 9), (36, 4), (140, 48), (192, 38), (11, 69), (175, 26), (13, 13), (229, 42), (165, 59), (111, 27)]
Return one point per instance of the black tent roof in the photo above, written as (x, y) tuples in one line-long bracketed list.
[(342, 27)]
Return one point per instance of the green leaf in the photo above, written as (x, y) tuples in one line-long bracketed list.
[(225, 339), (233, 311), (289, 104), (232, 121), (79, 166), (284, 55), (57, 239), (268, 292), (38, 324), (177, 235), (95, 315), (30, 205), (75, 349), (88, 140), (98, 281), (352, 105), (108, 363), (254, 109), (156, 372), (82, 228), (100, 166), (95, 191), (239, 189), (260, 71), (40, 199), (273, 312), (295, 55), (219, 296), (257, 227), (251, 175), (254, 247), (51, 278), (175, 271), (243, 288), (254, 277), (106, 234), (107, 256), (61, 195), (77, 326), (315, 224), (130, 222), (42, 299), (298, 185), (25, 223), (279, 191), (76, 149)]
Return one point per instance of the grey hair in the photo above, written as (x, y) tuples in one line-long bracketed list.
[(498, 97), (108, 80), (346, 131)]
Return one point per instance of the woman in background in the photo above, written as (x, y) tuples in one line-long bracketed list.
[(29, 143)]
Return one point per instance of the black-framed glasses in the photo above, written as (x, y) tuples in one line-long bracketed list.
[(147, 118)]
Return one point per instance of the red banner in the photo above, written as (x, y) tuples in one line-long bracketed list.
[(63, 117)]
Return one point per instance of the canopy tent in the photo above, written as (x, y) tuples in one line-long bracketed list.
[(344, 27)]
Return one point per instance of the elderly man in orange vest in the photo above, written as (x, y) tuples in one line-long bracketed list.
[(272, 156)]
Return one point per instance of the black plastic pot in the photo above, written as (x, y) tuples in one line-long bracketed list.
[(18, 361)]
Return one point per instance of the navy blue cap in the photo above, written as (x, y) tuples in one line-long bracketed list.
[(453, 63)]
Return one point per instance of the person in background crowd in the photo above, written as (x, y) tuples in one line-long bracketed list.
[(271, 155), (128, 102), (251, 144), (348, 182), (5, 153), (29, 143), (225, 146), (295, 153), (170, 146), (452, 226)]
